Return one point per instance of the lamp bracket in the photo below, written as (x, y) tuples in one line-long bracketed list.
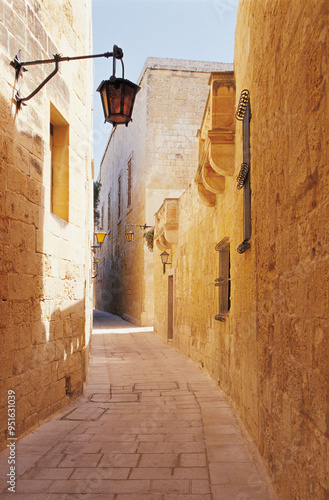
[(142, 227), (19, 66)]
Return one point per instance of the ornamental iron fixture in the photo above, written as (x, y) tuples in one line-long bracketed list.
[(243, 114), (242, 105), (130, 235), (117, 94), (242, 177)]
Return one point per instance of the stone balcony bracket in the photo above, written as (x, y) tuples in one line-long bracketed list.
[(217, 138), (166, 224)]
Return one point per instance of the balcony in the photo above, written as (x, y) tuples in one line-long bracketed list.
[(166, 224), (217, 138)]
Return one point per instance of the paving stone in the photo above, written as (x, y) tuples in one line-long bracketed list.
[(154, 496), (50, 460), (99, 473), (31, 496), (151, 473), (81, 460), (47, 473), (32, 485), (119, 447), (238, 492), (86, 496), (181, 441), (158, 460), (156, 447), (234, 473), (193, 460), (233, 453), (170, 486), (200, 486), (191, 473), (118, 486), (67, 486), (193, 497), (119, 460)]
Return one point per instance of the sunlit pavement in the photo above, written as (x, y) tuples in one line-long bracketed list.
[(150, 425)]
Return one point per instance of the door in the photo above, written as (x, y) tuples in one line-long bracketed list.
[(170, 322)]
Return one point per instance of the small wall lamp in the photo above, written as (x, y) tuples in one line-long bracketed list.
[(117, 94), (95, 266), (130, 234), (100, 236), (164, 259)]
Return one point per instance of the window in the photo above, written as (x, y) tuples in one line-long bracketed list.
[(129, 183), (109, 212), (59, 151), (102, 217), (119, 197), (223, 282)]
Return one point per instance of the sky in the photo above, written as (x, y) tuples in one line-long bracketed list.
[(198, 30)]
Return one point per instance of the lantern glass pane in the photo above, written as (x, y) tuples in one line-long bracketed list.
[(115, 99), (164, 257), (129, 97), (130, 236), (104, 100), (100, 235)]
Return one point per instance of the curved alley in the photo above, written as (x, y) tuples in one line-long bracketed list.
[(150, 425)]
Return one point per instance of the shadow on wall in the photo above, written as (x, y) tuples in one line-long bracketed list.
[(42, 357)]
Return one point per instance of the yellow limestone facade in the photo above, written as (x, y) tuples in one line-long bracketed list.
[(151, 159), (45, 210), (271, 351)]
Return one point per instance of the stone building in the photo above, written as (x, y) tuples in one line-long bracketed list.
[(45, 209), (246, 292), (150, 160)]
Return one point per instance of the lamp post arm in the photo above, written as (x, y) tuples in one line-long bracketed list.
[(20, 99), (58, 57), (20, 66)]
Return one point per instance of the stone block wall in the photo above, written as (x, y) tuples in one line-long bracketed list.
[(289, 146), (45, 279)]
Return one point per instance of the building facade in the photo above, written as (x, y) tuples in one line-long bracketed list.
[(46, 210), (246, 292), (150, 160)]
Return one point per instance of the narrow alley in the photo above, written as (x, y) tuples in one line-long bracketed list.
[(150, 425)]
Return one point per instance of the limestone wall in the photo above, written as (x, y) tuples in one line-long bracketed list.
[(289, 145), (45, 278)]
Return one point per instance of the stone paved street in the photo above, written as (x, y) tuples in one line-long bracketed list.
[(150, 425)]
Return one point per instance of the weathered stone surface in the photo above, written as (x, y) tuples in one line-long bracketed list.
[(162, 146), (35, 244)]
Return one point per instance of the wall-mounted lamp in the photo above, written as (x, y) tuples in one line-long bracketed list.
[(130, 234), (164, 259), (95, 268), (117, 94), (100, 236)]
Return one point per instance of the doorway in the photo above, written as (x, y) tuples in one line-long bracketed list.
[(170, 318)]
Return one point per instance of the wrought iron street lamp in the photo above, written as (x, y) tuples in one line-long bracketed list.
[(117, 94), (130, 234), (164, 259), (100, 236)]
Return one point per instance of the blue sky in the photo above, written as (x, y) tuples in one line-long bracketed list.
[(200, 30)]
